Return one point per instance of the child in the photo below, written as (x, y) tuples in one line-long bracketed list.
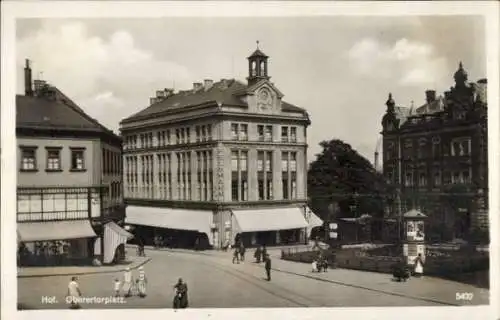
[(314, 266), (117, 287)]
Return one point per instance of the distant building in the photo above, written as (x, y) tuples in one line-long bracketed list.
[(437, 157), (69, 181), (221, 162)]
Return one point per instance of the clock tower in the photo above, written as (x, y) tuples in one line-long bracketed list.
[(257, 66)]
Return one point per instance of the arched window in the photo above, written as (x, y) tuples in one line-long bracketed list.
[(262, 68), (254, 68)]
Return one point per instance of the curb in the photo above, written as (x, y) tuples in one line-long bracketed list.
[(84, 273), (370, 289)]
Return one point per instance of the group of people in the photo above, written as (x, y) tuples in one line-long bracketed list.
[(260, 254), (43, 253), (239, 253), (130, 285), (320, 264)]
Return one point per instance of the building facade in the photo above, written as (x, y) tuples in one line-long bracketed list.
[(69, 181), (225, 160), (437, 158)]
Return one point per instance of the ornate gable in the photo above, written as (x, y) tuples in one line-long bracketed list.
[(264, 97)]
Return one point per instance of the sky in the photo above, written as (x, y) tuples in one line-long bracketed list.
[(339, 68)]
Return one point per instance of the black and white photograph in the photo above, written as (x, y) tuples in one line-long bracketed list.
[(192, 158)]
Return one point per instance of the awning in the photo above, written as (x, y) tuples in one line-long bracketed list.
[(114, 236), (269, 219), (170, 218), (314, 221), (55, 230)]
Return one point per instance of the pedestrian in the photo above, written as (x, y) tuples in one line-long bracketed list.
[(127, 282), (117, 287), (257, 254), (141, 282), (74, 294), (314, 266), (419, 266), (236, 255), (242, 251), (264, 252), (268, 267), (181, 296)]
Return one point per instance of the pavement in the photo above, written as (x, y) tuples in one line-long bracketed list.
[(243, 285)]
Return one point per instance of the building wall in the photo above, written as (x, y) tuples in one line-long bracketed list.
[(42, 178)]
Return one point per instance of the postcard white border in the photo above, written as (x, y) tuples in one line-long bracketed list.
[(107, 9)]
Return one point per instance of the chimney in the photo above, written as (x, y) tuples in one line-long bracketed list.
[(39, 85), (208, 84), (430, 96), (28, 88), (153, 100), (197, 86), (160, 94)]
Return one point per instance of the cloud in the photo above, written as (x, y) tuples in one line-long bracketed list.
[(110, 78), (406, 62)]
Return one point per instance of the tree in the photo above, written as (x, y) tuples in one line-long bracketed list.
[(341, 175)]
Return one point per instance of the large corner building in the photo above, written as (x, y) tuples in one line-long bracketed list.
[(222, 162), (437, 158)]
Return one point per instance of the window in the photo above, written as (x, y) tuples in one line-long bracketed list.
[(234, 160), (209, 132), (421, 148), (466, 176), (261, 189), (177, 136), (293, 134), (269, 160), (53, 159), (284, 134), (243, 160), (260, 161), (409, 179), (28, 158), (234, 131), (294, 189), (284, 161), (269, 189), (293, 161), (268, 134), (437, 178), (234, 189), (243, 133), (198, 134), (244, 189), (77, 159), (285, 189), (460, 147), (435, 146), (422, 179), (188, 135), (260, 132), (456, 178)]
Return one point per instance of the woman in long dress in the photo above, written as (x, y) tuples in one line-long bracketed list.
[(419, 266), (127, 282), (141, 282)]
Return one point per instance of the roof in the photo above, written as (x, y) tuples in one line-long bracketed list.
[(42, 112), (224, 92), (402, 113), (414, 214), (430, 108), (59, 112), (258, 53)]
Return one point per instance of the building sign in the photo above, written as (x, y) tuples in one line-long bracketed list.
[(333, 226), (333, 235)]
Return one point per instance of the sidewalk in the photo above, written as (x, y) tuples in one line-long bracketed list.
[(427, 288), (134, 262)]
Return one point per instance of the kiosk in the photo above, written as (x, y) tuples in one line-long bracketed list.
[(414, 240)]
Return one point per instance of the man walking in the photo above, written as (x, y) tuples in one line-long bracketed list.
[(268, 266), (242, 252), (236, 255)]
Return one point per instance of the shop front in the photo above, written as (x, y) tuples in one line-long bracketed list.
[(172, 227), (55, 243), (269, 226)]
